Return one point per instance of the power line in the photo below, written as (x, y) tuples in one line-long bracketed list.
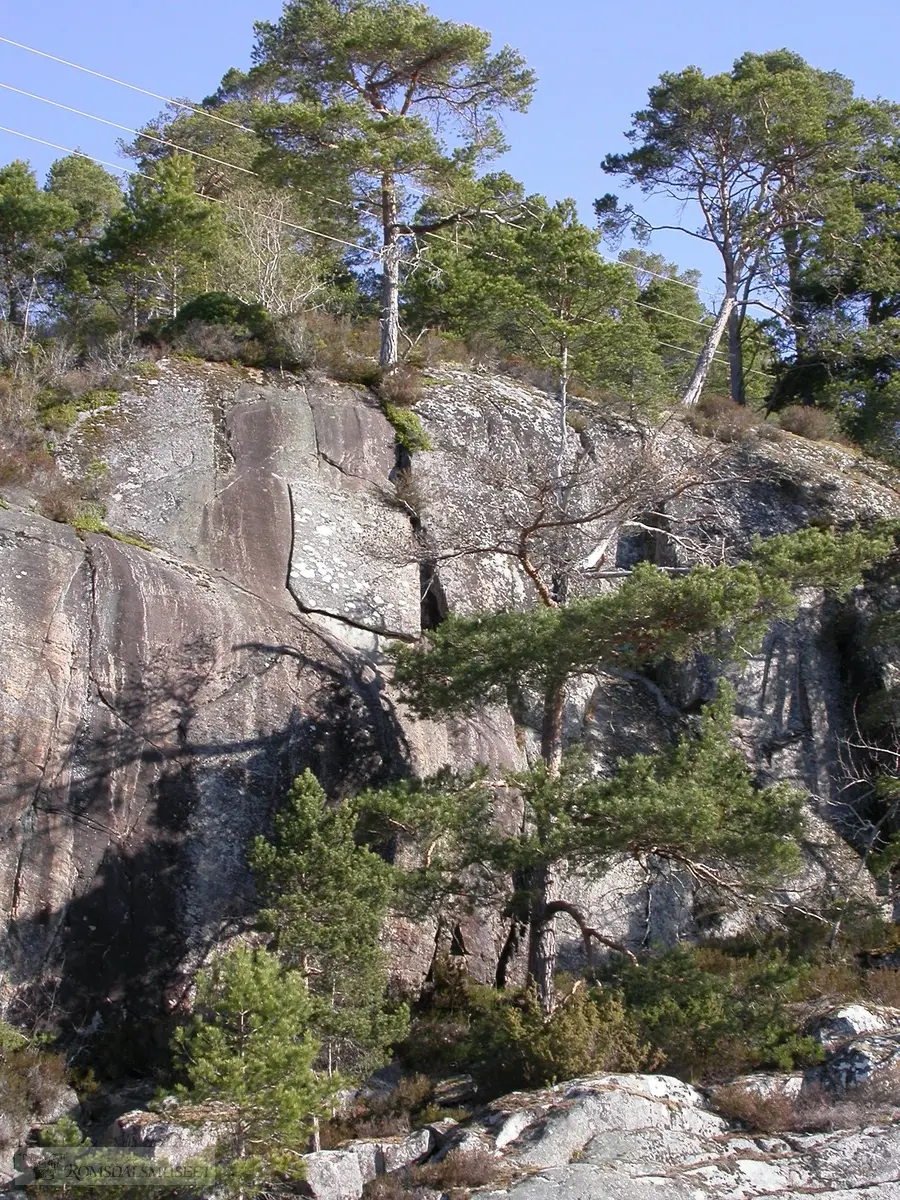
[(126, 128), (291, 224), (246, 129), (211, 199), (245, 170), (121, 83), (77, 153), (205, 112), (342, 204), (280, 221)]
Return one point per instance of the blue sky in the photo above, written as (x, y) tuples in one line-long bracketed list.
[(595, 61)]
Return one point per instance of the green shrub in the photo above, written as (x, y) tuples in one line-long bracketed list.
[(144, 369), (97, 398), (64, 1132), (59, 417), (30, 1075), (713, 1015), (90, 519), (59, 407), (504, 1042), (512, 1046), (218, 308), (408, 428), (217, 327)]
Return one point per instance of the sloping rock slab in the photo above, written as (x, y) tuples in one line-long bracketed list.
[(549, 1129), (353, 558), (653, 1138)]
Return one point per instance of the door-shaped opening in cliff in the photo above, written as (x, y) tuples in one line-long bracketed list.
[(434, 603)]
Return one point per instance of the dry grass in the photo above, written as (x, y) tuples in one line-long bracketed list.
[(807, 422), (815, 1110), (30, 1080), (883, 986), (460, 1169), (721, 418), (454, 1176), (388, 1115), (402, 387)]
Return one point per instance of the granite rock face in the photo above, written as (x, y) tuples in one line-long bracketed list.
[(633, 1137), (156, 702)]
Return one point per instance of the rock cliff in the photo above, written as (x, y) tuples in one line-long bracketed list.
[(156, 698)]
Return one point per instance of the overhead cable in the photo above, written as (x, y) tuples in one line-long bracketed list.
[(121, 83), (205, 112), (126, 128), (212, 199)]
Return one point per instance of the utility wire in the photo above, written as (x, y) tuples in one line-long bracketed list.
[(212, 199), (342, 204), (121, 83), (248, 171), (302, 228), (126, 128), (205, 112)]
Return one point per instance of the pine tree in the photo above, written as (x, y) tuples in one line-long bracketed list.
[(31, 224), (325, 898), (693, 806), (652, 616), (760, 151), (249, 1052), (385, 95), (158, 248)]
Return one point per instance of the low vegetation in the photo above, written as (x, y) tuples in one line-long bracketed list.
[(31, 1077), (815, 1109)]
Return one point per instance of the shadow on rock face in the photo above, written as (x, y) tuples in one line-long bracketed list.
[(176, 765)]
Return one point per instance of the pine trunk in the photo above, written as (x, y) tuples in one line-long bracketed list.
[(793, 253), (708, 353), (541, 937), (538, 881), (563, 415), (390, 276), (552, 727), (736, 357)]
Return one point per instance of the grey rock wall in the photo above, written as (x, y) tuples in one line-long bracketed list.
[(155, 703)]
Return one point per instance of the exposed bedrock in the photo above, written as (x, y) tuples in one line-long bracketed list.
[(155, 703)]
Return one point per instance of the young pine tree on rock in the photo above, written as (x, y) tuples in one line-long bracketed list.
[(325, 898), (248, 1051)]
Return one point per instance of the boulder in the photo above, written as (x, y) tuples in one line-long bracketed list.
[(333, 1175), (174, 1141), (841, 1025), (381, 1156), (864, 1060), (549, 1129), (765, 1085)]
